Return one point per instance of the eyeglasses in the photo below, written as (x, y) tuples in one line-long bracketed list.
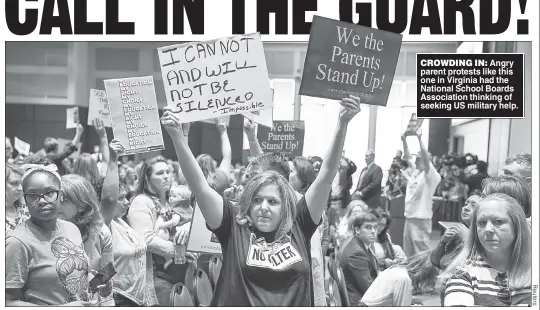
[(51, 196), (503, 294)]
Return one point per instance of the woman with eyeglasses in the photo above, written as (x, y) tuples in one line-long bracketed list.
[(47, 263), (494, 268)]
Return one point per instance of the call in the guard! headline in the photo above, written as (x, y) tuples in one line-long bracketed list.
[(480, 17)]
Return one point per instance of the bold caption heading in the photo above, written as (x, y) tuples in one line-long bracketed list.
[(495, 16)]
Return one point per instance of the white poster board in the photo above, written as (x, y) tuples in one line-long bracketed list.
[(72, 117), (226, 120), (205, 80), (99, 107), (22, 147), (200, 238), (263, 117)]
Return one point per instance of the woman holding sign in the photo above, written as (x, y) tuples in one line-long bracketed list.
[(265, 237)]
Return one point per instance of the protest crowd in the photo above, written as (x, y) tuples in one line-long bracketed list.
[(293, 231)]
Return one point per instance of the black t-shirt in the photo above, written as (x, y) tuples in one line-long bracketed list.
[(252, 276)]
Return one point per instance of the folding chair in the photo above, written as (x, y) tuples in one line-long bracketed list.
[(180, 296)]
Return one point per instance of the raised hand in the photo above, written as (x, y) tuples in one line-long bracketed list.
[(349, 108), (249, 127), (220, 124), (80, 129), (116, 147), (171, 124), (99, 127)]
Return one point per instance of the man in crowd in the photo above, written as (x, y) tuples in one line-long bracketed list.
[(419, 200), (520, 166), (369, 185)]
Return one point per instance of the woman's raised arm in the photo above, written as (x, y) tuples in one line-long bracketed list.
[(317, 195), (210, 202)]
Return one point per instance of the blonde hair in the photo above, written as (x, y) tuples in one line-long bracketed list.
[(421, 271), (288, 200), (182, 190), (519, 273), (86, 166)]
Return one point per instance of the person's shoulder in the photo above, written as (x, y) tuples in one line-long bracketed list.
[(143, 199), (66, 225)]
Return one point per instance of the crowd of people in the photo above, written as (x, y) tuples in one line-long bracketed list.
[(288, 227)]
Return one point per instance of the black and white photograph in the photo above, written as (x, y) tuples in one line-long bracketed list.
[(354, 168)]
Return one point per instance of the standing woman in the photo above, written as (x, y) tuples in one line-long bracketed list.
[(266, 237), (47, 264), (152, 195), (494, 267), (301, 177), (16, 211)]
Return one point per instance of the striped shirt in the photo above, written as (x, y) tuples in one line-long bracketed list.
[(481, 285)]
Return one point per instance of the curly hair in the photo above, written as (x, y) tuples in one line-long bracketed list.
[(80, 192), (268, 161), (288, 199)]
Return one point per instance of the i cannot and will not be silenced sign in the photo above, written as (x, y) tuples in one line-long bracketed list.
[(286, 137), (346, 59), (210, 79)]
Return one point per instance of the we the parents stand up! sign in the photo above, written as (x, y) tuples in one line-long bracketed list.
[(345, 59), (286, 137), (210, 79)]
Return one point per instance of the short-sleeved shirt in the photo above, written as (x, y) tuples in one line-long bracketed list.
[(258, 274), (479, 285), (129, 262), (50, 267), (99, 247), (419, 195)]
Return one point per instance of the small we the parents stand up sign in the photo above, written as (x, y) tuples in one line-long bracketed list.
[(346, 59)]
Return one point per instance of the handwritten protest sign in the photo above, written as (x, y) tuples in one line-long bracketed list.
[(224, 119), (22, 147), (414, 125), (227, 76), (99, 107), (263, 117), (134, 114), (72, 117), (200, 238), (345, 59), (285, 137)]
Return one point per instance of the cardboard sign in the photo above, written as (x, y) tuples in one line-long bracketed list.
[(346, 59), (22, 147), (263, 117), (414, 125), (99, 107), (200, 238), (226, 120), (72, 117), (205, 80), (134, 114), (286, 137)]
